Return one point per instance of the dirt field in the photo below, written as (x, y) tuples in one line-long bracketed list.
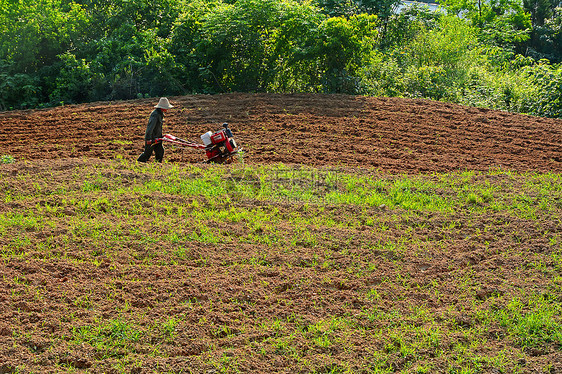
[(395, 135), (443, 274)]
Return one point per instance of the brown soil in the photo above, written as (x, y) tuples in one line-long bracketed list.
[(395, 135), (246, 307)]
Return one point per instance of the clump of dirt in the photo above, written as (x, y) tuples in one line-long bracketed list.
[(391, 134)]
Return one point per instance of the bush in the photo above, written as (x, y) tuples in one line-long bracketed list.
[(495, 89), (19, 91), (427, 81), (434, 64), (342, 48), (383, 76), (547, 98), (74, 81)]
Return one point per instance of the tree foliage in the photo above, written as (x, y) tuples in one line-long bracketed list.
[(478, 52)]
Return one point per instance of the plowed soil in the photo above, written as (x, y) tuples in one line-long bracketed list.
[(142, 281), (392, 134)]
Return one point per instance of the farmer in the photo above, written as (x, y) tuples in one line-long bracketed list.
[(154, 131)]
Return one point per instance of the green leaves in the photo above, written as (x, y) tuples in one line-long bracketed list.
[(255, 45), (548, 80), (534, 323), (448, 45), (75, 80), (69, 51), (34, 32)]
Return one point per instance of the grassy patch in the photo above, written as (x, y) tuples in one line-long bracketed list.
[(245, 268), (7, 159)]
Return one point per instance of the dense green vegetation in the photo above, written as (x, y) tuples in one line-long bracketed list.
[(502, 54)]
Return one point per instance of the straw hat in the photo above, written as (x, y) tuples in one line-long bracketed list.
[(164, 104)]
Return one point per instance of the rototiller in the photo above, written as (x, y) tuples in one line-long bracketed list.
[(219, 146)]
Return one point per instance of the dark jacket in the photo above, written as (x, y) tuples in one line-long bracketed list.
[(154, 128)]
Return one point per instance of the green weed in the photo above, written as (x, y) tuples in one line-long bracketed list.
[(113, 338), (7, 159)]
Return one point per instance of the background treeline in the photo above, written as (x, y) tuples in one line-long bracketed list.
[(502, 54)]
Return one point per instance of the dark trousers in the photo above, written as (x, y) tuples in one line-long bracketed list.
[(158, 149)]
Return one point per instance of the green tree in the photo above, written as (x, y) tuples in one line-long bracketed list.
[(503, 23), (235, 44), (185, 40), (343, 47), (540, 10), (35, 32), (546, 37), (337, 8), (405, 25), (74, 81), (257, 45), (437, 61)]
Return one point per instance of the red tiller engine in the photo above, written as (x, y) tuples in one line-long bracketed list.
[(219, 145)]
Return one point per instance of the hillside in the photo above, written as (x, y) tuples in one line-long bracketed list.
[(392, 134), (360, 235)]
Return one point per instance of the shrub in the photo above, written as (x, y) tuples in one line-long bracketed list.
[(547, 79), (19, 91), (74, 81)]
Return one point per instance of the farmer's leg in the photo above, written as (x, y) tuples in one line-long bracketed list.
[(159, 152), (146, 154)]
